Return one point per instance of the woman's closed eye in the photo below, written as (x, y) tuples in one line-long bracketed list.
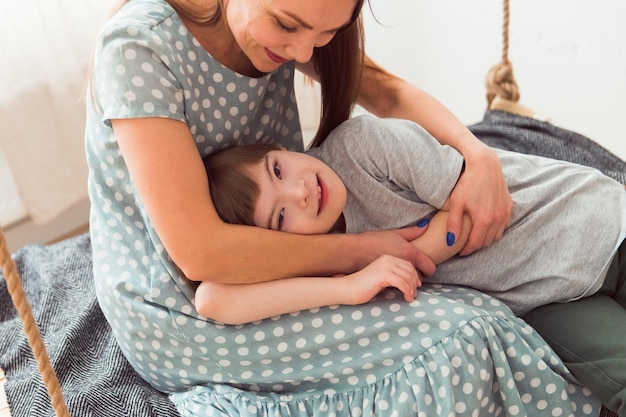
[(285, 27)]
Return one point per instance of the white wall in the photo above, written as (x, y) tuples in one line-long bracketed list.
[(568, 56)]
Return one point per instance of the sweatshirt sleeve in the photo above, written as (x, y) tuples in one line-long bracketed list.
[(399, 152)]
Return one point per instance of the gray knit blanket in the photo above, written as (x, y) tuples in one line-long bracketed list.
[(95, 377), (521, 134)]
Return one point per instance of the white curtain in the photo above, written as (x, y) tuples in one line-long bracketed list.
[(46, 48)]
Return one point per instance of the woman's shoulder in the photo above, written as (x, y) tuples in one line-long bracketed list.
[(147, 13), (142, 21)]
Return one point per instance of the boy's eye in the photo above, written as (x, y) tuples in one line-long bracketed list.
[(277, 171), (281, 217)]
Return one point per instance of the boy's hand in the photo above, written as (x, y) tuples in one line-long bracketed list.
[(386, 271)]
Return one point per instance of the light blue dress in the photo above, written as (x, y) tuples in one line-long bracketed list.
[(453, 351)]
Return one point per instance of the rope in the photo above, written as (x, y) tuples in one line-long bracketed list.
[(500, 81), (14, 284)]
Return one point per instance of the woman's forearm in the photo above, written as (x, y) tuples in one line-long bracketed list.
[(389, 96), (483, 193), (245, 254)]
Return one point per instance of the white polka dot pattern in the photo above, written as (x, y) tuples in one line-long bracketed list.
[(140, 71), (390, 358), (451, 352)]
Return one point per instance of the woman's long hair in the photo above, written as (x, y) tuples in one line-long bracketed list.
[(191, 10), (339, 66)]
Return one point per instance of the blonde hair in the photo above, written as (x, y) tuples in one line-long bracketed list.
[(232, 186)]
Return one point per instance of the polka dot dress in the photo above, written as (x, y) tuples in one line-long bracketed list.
[(452, 351)]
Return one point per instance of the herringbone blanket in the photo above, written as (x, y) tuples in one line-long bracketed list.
[(95, 377)]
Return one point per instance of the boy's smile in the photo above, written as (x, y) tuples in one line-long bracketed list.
[(298, 194)]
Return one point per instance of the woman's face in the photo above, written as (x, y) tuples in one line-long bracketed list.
[(272, 32)]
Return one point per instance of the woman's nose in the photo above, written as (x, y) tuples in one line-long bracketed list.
[(301, 51)]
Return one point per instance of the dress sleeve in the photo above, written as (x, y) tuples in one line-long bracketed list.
[(136, 74)]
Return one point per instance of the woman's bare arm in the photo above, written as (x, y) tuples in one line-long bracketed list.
[(169, 176)]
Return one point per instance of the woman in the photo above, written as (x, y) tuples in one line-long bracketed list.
[(175, 81)]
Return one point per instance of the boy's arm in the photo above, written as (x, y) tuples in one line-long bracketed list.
[(434, 243), (244, 303)]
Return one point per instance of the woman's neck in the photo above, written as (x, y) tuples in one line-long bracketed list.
[(219, 42)]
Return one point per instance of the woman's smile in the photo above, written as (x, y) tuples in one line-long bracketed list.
[(275, 58)]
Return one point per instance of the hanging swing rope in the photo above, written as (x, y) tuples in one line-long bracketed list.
[(500, 80), (14, 285)]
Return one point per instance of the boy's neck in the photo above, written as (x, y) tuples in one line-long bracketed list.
[(339, 226)]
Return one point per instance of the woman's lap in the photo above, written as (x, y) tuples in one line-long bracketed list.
[(452, 351)]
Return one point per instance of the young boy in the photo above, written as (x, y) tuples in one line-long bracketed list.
[(569, 220), (564, 243)]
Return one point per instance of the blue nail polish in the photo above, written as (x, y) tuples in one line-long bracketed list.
[(422, 223), (450, 239)]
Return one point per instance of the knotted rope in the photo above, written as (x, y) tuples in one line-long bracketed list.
[(500, 81), (14, 285)]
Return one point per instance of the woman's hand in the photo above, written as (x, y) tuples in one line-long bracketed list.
[(371, 245), (386, 271), (482, 193)]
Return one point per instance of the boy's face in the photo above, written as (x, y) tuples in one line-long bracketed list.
[(298, 194)]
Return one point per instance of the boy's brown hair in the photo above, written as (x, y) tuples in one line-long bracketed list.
[(234, 191)]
